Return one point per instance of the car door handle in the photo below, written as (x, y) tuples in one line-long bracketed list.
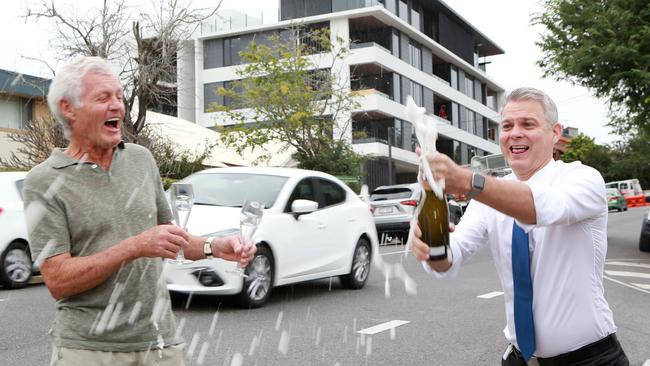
[(352, 219), (321, 226)]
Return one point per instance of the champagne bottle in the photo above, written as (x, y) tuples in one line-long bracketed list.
[(433, 220)]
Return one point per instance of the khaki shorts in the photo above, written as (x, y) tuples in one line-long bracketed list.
[(169, 356)]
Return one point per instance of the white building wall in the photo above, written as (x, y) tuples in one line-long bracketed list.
[(340, 30), (186, 81)]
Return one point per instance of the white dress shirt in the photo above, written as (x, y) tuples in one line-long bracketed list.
[(567, 245)]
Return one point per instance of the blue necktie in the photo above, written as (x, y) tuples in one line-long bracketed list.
[(523, 286)]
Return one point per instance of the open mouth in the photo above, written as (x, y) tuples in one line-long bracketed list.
[(518, 149), (113, 122)]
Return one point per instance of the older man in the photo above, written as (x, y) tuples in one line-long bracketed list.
[(546, 225), (99, 221)]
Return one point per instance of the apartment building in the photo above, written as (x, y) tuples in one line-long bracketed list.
[(398, 48)]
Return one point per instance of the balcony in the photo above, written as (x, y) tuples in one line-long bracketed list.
[(230, 20)]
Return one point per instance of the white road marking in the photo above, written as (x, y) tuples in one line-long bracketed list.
[(3, 299), (398, 252), (646, 363), (628, 264), (490, 295), (626, 285), (384, 326), (628, 274), (642, 285)]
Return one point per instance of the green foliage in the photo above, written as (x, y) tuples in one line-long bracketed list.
[(626, 159), (632, 160), (289, 100), (173, 162), (584, 149), (605, 46), (336, 159)]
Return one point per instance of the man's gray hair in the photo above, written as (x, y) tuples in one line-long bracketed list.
[(67, 85), (526, 93)]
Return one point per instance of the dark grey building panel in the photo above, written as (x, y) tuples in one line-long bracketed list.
[(404, 42), (456, 38), (428, 100), (427, 60), (212, 53)]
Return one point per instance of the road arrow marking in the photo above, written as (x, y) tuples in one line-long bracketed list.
[(382, 327), (628, 264), (490, 295), (628, 274)]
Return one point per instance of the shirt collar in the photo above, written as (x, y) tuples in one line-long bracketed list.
[(59, 159), (541, 175)]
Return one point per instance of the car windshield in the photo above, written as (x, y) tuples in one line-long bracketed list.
[(395, 193), (611, 191), (233, 189)]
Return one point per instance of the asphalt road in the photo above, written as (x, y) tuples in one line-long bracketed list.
[(417, 321)]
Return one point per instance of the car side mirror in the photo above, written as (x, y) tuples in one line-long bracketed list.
[(303, 207)]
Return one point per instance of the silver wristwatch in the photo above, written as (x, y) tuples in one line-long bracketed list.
[(478, 183), (207, 247)]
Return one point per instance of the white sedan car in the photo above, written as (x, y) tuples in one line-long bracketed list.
[(313, 227), (15, 258)]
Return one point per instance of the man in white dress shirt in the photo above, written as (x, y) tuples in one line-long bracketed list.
[(562, 209)]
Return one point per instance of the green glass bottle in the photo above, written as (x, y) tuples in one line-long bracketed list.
[(433, 220)]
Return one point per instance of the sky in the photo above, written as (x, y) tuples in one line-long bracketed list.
[(505, 22)]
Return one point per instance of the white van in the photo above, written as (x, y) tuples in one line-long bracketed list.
[(629, 187)]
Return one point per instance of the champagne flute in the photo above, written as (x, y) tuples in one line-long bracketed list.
[(182, 199), (249, 220)]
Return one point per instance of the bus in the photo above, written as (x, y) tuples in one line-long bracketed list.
[(628, 187)]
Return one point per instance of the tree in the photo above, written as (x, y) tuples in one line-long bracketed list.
[(146, 51), (605, 46), (285, 96), (584, 149), (631, 160)]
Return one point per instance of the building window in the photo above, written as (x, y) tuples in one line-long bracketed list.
[(453, 76), (14, 113), (469, 87), (415, 19), (404, 10), (455, 115), (211, 97), (415, 55), (395, 44)]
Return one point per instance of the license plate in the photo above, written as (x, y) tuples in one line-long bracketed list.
[(385, 210)]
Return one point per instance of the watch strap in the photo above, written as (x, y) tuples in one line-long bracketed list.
[(478, 183), (207, 248)]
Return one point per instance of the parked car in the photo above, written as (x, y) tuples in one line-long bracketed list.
[(313, 226), (615, 199), (644, 239), (394, 206), (15, 258)]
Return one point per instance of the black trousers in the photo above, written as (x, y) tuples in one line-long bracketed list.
[(605, 352)]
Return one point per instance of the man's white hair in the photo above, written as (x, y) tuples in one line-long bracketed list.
[(548, 106), (67, 85)]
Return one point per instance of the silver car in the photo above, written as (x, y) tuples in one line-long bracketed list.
[(393, 208)]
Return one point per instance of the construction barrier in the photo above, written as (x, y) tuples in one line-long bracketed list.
[(636, 201)]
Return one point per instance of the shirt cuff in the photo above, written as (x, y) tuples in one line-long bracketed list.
[(452, 271)]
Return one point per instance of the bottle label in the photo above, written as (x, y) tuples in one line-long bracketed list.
[(436, 251)]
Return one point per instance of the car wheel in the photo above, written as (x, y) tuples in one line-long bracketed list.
[(358, 275), (644, 244), (620, 209), (15, 266), (259, 283)]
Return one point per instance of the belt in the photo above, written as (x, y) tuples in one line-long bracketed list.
[(584, 353)]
